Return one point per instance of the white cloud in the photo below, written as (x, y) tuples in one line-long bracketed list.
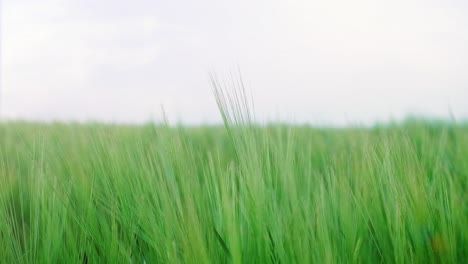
[(331, 60)]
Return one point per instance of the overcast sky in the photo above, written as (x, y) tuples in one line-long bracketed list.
[(325, 61)]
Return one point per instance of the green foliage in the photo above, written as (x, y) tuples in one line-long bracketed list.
[(244, 193)]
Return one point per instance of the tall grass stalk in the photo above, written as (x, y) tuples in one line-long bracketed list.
[(242, 193)]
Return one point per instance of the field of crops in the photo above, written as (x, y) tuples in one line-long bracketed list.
[(239, 193)]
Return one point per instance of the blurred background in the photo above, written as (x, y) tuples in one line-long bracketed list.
[(332, 62)]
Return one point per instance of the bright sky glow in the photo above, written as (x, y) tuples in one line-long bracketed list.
[(327, 62)]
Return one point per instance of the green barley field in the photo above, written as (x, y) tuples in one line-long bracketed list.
[(238, 193)]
